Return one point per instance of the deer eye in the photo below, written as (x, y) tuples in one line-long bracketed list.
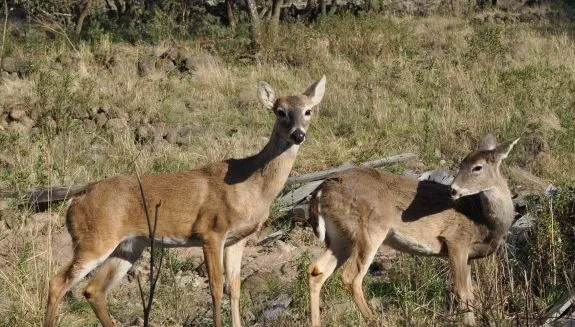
[(477, 168), (281, 113), (308, 112)]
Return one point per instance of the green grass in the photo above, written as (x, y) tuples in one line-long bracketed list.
[(429, 85)]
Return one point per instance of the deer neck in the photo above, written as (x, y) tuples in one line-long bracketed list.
[(498, 208), (270, 168)]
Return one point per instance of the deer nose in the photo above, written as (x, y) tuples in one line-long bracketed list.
[(298, 136), (453, 193)]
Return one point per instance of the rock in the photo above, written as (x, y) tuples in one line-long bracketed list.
[(50, 123), (164, 65), (276, 307), (11, 64), (137, 322), (172, 136), (105, 108), (101, 120), (18, 127), (65, 59), (93, 111), (437, 176), (284, 247), (17, 114), (551, 191), (28, 122), (188, 64), (116, 124), (89, 126), (145, 65), (144, 133)]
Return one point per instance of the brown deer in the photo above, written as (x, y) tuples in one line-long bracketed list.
[(357, 210), (216, 207)]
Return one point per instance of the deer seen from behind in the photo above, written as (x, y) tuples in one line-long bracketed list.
[(216, 207), (357, 210)]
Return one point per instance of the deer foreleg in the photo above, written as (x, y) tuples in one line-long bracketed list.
[(461, 270), (213, 248), (233, 264)]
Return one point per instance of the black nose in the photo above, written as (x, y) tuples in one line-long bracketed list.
[(297, 136), (452, 192)]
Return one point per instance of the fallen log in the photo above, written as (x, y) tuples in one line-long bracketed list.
[(42, 196), (306, 178)]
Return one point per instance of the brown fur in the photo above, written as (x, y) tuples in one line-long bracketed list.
[(363, 208), (216, 206)]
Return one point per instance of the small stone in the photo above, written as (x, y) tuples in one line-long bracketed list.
[(137, 322), (50, 123), (18, 127), (11, 64), (17, 114), (28, 122), (145, 65), (172, 135), (101, 120), (106, 108), (164, 65), (188, 64), (89, 126), (65, 59), (284, 247), (276, 307), (144, 133), (93, 111), (116, 124), (184, 131)]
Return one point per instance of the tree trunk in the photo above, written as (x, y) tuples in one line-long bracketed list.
[(275, 20), (231, 16), (323, 7), (83, 14), (255, 30), (333, 7)]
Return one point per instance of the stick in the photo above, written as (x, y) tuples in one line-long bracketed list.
[(324, 173)]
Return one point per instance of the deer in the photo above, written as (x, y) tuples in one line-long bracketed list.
[(215, 207), (357, 210)]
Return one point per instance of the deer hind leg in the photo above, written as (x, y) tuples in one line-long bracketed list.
[(84, 261), (111, 272), (461, 270), (213, 254), (320, 270), (353, 274), (233, 265)]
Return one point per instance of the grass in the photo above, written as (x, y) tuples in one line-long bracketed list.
[(431, 85)]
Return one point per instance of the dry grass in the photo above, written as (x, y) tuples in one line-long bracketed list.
[(428, 85)]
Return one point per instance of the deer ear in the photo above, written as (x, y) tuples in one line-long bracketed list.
[(315, 91), (266, 94), (487, 143), (503, 149)]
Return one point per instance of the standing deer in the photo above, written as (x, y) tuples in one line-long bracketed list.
[(357, 210), (216, 207)]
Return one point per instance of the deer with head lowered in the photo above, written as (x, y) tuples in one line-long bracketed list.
[(357, 210), (216, 207)]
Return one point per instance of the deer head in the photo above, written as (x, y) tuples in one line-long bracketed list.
[(479, 171), (293, 113)]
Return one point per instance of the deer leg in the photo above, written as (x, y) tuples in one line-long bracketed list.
[(233, 265), (353, 275), (319, 271), (213, 255), (83, 262), (461, 271), (111, 272)]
